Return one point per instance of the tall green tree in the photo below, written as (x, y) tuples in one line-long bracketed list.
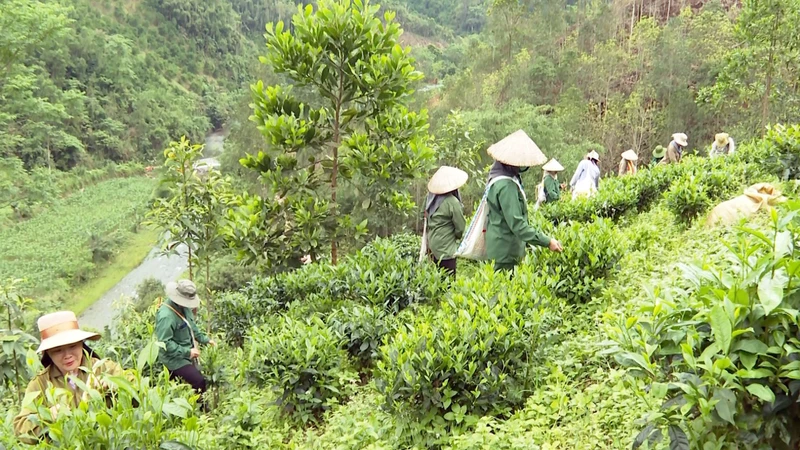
[(342, 119), (760, 79)]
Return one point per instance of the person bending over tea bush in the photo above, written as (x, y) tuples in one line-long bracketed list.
[(176, 328), (508, 231), (70, 366)]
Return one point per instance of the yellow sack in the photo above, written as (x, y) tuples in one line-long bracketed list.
[(756, 197)]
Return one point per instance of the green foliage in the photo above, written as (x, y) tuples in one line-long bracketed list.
[(687, 198), (786, 141), (51, 251), (383, 274), (475, 356), (355, 127), (721, 355), (302, 360), (591, 255), (147, 293), (192, 213), (17, 342), (238, 312), (362, 329), (135, 411), (84, 82)]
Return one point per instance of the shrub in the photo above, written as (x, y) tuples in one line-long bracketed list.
[(591, 254), (147, 292), (303, 361), (228, 274), (404, 245), (384, 273), (361, 328), (471, 358), (236, 314), (723, 356), (687, 198)]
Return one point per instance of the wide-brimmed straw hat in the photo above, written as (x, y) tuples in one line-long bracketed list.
[(630, 155), (184, 293), (593, 155), (681, 139), (61, 328), (659, 152), (518, 150), (722, 139), (552, 166), (447, 179)]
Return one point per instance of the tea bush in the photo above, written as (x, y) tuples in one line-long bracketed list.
[(719, 177), (687, 199), (303, 361), (723, 356), (591, 255), (362, 328), (473, 357), (384, 273)]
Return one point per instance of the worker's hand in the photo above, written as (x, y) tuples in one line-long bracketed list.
[(194, 353), (212, 343), (555, 246)]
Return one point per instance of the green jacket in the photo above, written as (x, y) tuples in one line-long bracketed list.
[(445, 228), (173, 332), (552, 190), (508, 231)]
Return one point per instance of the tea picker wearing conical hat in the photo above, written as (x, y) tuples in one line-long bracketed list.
[(66, 358), (508, 231), (552, 190), (176, 328), (444, 213), (723, 145), (586, 179), (675, 149), (627, 166)]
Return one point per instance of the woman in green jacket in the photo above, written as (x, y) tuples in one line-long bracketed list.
[(444, 214), (508, 231), (552, 190), (176, 328)]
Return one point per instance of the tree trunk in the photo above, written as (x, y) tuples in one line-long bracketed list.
[(335, 170), (770, 71)]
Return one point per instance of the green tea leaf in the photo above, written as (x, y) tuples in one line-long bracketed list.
[(726, 404), (762, 392), (721, 327), (770, 290), (677, 438)]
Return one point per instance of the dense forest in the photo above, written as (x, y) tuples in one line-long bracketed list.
[(658, 326)]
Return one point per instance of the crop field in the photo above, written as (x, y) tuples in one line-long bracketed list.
[(62, 247)]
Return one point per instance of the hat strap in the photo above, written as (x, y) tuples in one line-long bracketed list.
[(58, 328)]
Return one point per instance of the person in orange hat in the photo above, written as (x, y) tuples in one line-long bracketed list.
[(66, 358)]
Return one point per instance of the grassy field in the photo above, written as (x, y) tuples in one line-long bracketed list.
[(132, 253), (76, 240)]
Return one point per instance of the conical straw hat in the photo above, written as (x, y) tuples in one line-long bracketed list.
[(552, 166), (517, 149), (447, 179), (630, 155)]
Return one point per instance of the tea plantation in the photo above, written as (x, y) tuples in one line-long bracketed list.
[(651, 330), (62, 246)]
